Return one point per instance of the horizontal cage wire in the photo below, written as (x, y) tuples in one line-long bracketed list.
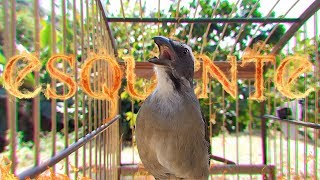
[(265, 126)]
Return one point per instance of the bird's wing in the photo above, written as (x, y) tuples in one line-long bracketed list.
[(207, 133), (145, 137)]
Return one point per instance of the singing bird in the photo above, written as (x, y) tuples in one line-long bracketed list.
[(170, 130)]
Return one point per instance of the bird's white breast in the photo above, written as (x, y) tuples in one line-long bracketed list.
[(166, 96)]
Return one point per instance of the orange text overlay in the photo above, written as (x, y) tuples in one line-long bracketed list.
[(110, 76)]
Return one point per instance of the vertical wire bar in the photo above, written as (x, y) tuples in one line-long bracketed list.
[(103, 109), (100, 77), (158, 17), (126, 25), (224, 29), (116, 138), (281, 147), (263, 135), (108, 145), (132, 110), (237, 99), (94, 88), (129, 50), (111, 155), (268, 131), (143, 56), (297, 129), (83, 102), (115, 131), (112, 161), (98, 72), (316, 108), (275, 129), (142, 30), (237, 129), (296, 151), (65, 110), (95, 121), (115, 142), (243, 26), (109, 135), (191, 28), (288, 133), (306, 119), (104, 105), (11, 100), (90, 130), (36, 100), (224, 127), (192, 24), (107, 142), (53, 84), (288, 138), (99, 86), (250, 126), (210, 118), (177, 16), (75, 51), (288, 149), (297, 134), (204, 37), (88, 23), (107, 112)]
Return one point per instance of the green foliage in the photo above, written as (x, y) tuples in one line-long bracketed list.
[(135, 39), (25, 28), (131, 117), (3, 60)]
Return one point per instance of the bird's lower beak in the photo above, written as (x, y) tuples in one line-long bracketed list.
[(157, 61)]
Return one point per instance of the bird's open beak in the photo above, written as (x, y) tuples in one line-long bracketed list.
[(166, 51)]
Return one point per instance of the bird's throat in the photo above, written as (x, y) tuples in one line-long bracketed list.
[(167, 82)]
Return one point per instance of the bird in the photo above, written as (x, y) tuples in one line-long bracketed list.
[(170, 129)]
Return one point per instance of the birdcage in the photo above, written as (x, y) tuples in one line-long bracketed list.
[(74, 74)]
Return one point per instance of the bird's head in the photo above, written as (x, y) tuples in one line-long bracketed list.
[(175, 57)]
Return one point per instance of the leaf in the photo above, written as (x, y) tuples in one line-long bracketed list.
[(45, 35), (124, 95), (131, 117), (29, 80), (3, 60)]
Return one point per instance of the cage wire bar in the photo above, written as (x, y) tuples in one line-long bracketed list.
[(87, 145), (268, 113), (91, 148)]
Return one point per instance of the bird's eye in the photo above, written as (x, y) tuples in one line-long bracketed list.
[(186, 51)]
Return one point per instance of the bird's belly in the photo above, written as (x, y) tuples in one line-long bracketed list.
[(182, 153)]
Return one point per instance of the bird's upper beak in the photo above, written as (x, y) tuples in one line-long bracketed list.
[(166, 51)]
